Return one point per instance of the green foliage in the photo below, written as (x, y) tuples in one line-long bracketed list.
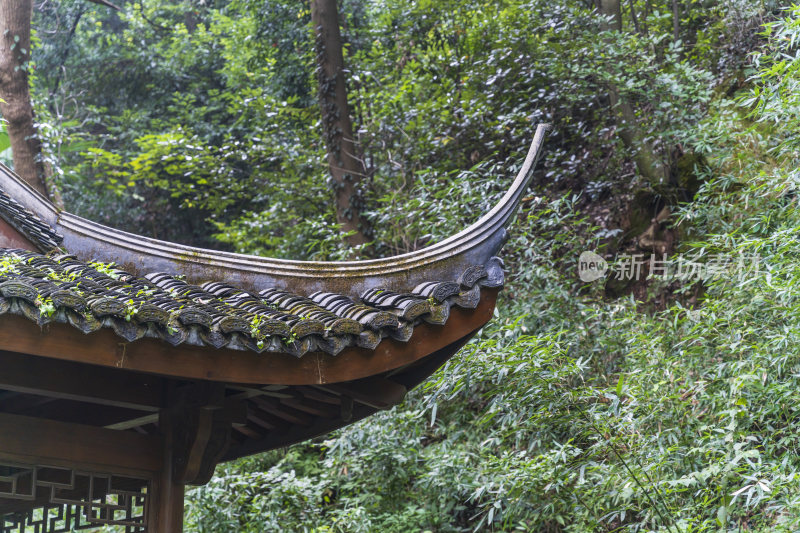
[(190, 131), (215, 126), (573, 413), (5, 145)]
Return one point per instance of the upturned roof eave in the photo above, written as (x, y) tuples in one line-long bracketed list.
[(445, 260)]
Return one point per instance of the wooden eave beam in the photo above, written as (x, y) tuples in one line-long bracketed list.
[(19, 402), (311, 407), (133, 423), (285, 412), (263, 421), (244, 393), (377, 392), (232, 403), (284, 436), (319, 396), (77, 413), (67, 380), (34, 441), (248, 432)]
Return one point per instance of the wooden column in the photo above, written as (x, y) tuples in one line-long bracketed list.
[(195, 433), (166, 507)]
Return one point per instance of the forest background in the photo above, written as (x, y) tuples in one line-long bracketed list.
[(664, 403)]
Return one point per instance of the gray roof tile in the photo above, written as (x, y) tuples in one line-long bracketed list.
[(59, 288), (28, 223)]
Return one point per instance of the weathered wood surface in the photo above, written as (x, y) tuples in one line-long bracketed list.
[(35, 441)]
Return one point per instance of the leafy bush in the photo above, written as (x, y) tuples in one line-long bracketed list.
[(574, 413)]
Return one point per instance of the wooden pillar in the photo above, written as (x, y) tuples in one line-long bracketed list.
[(195, 432), (166, 503)]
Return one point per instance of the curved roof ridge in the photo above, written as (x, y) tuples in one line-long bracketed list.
[(474, 245)]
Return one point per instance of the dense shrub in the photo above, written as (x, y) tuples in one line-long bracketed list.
[(575, 413)]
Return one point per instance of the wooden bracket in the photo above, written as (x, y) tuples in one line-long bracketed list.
[(201, 422)]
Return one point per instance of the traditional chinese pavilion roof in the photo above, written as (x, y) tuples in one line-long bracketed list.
[(103, 328)]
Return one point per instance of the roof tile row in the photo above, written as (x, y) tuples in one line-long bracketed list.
[(28, 224), (59, 288)]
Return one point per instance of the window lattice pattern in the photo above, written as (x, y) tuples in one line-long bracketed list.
[(60, 500)]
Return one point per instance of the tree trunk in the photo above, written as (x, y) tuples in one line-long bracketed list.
[(647, 161), (347, 170), (611, 8), (676, 20), (15, 54)]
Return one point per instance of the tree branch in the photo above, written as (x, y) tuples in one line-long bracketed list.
[(105, 3), (155, 25), (65, 55), (635, 18)]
